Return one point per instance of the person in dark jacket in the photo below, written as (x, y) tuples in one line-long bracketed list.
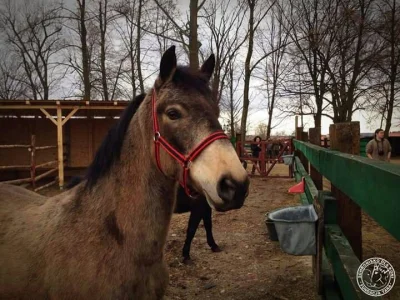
[(255, 150)]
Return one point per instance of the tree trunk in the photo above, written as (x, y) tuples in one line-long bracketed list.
[(193, 42), (103, 30), (85, 51), (138, 58), (393, 70), (271, 109), (132, 59), (247, 72), (232, 117)]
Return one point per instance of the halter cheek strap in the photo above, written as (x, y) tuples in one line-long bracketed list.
[(184, 161)]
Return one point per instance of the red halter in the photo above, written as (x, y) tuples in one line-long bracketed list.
[(184, 161)]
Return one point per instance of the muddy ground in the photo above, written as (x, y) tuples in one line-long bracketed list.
[(251, 266)]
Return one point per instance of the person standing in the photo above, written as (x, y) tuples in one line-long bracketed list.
[(379, 148), (255, 151)]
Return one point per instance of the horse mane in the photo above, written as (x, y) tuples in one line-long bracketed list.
[(109, 151)]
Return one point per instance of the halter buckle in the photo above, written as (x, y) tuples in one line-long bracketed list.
[(188, 164), (157, 135)]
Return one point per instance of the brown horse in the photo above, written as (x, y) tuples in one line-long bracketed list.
[(104, 238)]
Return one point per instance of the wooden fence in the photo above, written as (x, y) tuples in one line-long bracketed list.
[(269, 155), (358, 183), (33, 167)]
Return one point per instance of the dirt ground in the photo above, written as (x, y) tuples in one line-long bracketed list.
[(251, 266)]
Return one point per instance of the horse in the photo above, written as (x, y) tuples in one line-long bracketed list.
[(199, 210), (105, 237)]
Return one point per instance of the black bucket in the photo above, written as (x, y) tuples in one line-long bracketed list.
[(273, 236)]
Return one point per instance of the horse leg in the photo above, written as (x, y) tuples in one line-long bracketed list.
[(194, 222), (208, 226)]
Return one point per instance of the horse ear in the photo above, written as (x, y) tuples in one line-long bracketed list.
[(208, 66), (168, 64)]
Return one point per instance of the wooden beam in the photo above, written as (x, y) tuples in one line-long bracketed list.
[(45, 174), (46, 185), (49, 163), (48, 115), (88, 107), (60, 148), (69, 115), (45, 147), (14, 146), (15, 167), (17, 181), (33, 160), (345, 137)]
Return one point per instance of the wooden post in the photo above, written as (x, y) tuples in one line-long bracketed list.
[(303, 158), (345, 137), (90, 139), (315, 138), (239, 144), (33, 160), (291, 174), (299, 133), (262, 158), (60, 148)]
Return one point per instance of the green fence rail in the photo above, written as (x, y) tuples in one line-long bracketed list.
[(374, 185)]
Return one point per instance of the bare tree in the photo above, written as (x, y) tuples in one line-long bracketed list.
[(12, 77), (262, 130), (388, 28), (224, 21), (103, 21), (307, 22), (187, 33), (132, 32), (80, 54), (273, 40), (257, 11), (356, 47), (33, 30), (231, 102), (164, 29)]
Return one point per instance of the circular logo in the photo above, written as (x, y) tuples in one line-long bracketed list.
[(376, 276)]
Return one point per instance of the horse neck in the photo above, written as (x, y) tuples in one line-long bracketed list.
[(135, 197)]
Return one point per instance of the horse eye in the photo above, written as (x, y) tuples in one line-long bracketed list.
[(173, 114)]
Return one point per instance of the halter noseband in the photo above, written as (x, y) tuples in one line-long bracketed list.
[(184, 161)]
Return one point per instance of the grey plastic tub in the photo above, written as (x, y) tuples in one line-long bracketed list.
[(287, 159), (273, 236), (295, 227)]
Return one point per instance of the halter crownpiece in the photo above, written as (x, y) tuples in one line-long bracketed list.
[(184, 161)]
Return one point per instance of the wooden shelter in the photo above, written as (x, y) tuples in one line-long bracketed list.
[(76, 127)]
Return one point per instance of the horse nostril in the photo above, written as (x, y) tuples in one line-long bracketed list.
[(226, 189)]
